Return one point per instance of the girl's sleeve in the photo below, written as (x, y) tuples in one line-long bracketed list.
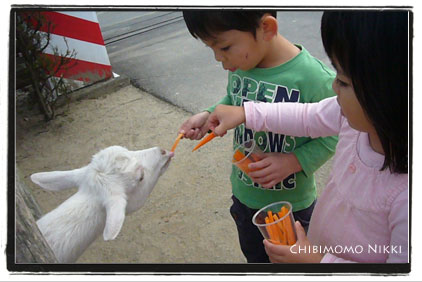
[(296, 119)]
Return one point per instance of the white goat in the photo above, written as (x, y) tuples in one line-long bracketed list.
[(116, 182)]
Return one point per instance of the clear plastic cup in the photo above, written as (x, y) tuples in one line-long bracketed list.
[(280, 229), (246, 153)]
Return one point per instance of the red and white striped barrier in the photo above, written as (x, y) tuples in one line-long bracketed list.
[(83, 35)]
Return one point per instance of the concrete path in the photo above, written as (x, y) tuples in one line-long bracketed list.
[(155, 49)]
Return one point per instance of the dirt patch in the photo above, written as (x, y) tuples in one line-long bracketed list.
[(186, 218)]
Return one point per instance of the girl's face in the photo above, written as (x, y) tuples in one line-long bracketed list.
[(350, 106)]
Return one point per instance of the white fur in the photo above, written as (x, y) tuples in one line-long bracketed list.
[(116, 182)]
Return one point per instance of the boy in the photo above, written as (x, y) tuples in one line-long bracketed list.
[(264, 66)]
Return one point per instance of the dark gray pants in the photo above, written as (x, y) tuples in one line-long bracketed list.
[(249, 236)]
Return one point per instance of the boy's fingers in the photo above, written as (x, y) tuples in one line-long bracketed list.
[(259, 165), (197, 134), (270, 184), (186, 135), (204, 130), (182, 131), (260, 179), (190, 134)]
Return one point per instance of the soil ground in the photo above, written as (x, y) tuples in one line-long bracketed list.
[(186, 218)]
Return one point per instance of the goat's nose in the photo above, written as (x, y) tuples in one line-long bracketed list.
[(165, 152)]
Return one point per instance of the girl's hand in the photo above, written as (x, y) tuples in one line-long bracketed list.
[(224, 118), (301, 252), (195, 127), (274, 168)]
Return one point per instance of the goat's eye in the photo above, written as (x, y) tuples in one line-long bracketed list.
[(163, 152)]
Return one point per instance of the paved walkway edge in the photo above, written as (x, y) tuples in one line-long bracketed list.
[(96, 90)]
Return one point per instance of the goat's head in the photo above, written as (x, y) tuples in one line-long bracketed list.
[(120, 179)]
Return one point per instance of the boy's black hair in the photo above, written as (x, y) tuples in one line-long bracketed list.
[(205, 24), (372, 48)]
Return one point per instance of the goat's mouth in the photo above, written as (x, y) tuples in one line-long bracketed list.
[(166, 165)]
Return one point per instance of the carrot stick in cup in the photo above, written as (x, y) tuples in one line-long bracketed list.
[(281, 231), (273, 227), (254, 157), (176, 142), (280, 215), (270, 216), (273, 232), (288, 227), (277, 231), (204, 140), (237, 156), (240, 160), (269, 229), (288, 234)]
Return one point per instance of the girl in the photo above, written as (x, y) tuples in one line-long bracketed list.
[(362, 214)]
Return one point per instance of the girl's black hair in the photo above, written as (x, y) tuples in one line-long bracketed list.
[(372, 48), (206, 23)]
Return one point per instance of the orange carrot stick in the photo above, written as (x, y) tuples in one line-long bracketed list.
[(270, 216), (269, 229), (204, 140), (291, 238), (237, 156), (176, 142), (281, 231), (270, 219), (244, 165), (280, 215), (273, 227)]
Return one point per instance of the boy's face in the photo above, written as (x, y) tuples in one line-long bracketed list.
[(237, 49)]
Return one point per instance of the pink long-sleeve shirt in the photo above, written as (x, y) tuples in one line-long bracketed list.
[(362, 214)]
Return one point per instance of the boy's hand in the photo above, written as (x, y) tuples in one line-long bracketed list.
[(301, 252), (274, 168), (195, 127), (224, 118)]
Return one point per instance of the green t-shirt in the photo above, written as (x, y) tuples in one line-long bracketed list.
[(303, 79)]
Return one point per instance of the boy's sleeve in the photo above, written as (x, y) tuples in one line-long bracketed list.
[(226, 100), (313, 154)]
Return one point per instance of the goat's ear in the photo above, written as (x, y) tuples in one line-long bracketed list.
[(58, 180), (116, 210)]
